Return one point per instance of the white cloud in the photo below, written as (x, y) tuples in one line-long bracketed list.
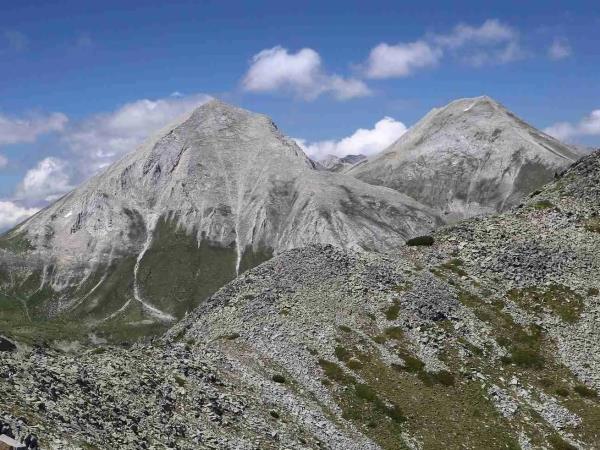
[(493, 42), (11, 214), (560, 49), (389, 61), (588, 126), (103, 138), (45, 182), (301, 73), (362, 141), (15, 130), (3, 161), (491, 31)]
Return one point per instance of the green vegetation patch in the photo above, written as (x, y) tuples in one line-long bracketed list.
[(277, 378), (16, 243), (426, 241), (394, 333), (524, 345), (543, 204), (342, 353), (592, 225), (560, 299), (390, 400), (455, 265), (412, 364), (585, 391), (559, 443), (392, 312)]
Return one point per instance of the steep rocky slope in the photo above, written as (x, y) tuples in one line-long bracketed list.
[(468, 158), (334, 163), (217, 192), (486, 339)]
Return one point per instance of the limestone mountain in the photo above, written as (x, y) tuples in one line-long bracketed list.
[(468, 158), (213, 194)]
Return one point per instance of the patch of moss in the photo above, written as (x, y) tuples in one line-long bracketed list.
[(345, 328), (394, 333), (412, 364), (477, 351), (334, 372), (543, 204), (354, 364), (454, 265), (230, 336), (592, 225), (380, 339), (559, 443), (392, 312), (585, 391), (524, 347), (404, 286), (561, 391), (180, 380), (560, 299), (342, 353)]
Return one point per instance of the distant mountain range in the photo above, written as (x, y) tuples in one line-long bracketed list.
[(221, 190)]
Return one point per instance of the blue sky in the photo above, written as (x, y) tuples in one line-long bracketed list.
[(82, 82)]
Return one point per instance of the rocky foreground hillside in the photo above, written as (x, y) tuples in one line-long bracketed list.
[(486, 339)]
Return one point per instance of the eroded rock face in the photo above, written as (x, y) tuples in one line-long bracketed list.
[(468, 158), (217, 192)]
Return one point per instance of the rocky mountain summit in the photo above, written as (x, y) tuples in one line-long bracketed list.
[(210, 196), (482, 335), (469, 158), (334, 163)]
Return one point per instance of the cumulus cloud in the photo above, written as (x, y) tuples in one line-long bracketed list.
[(11, 214), (491, 31), (15, 130), (588, 126), (559, 49), (300, 73), (101, 139), (362, 141), (390, 61), (46, 182), (3, 161), (493, 42)]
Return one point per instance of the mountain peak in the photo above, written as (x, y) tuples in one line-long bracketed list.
[(470, 157)]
